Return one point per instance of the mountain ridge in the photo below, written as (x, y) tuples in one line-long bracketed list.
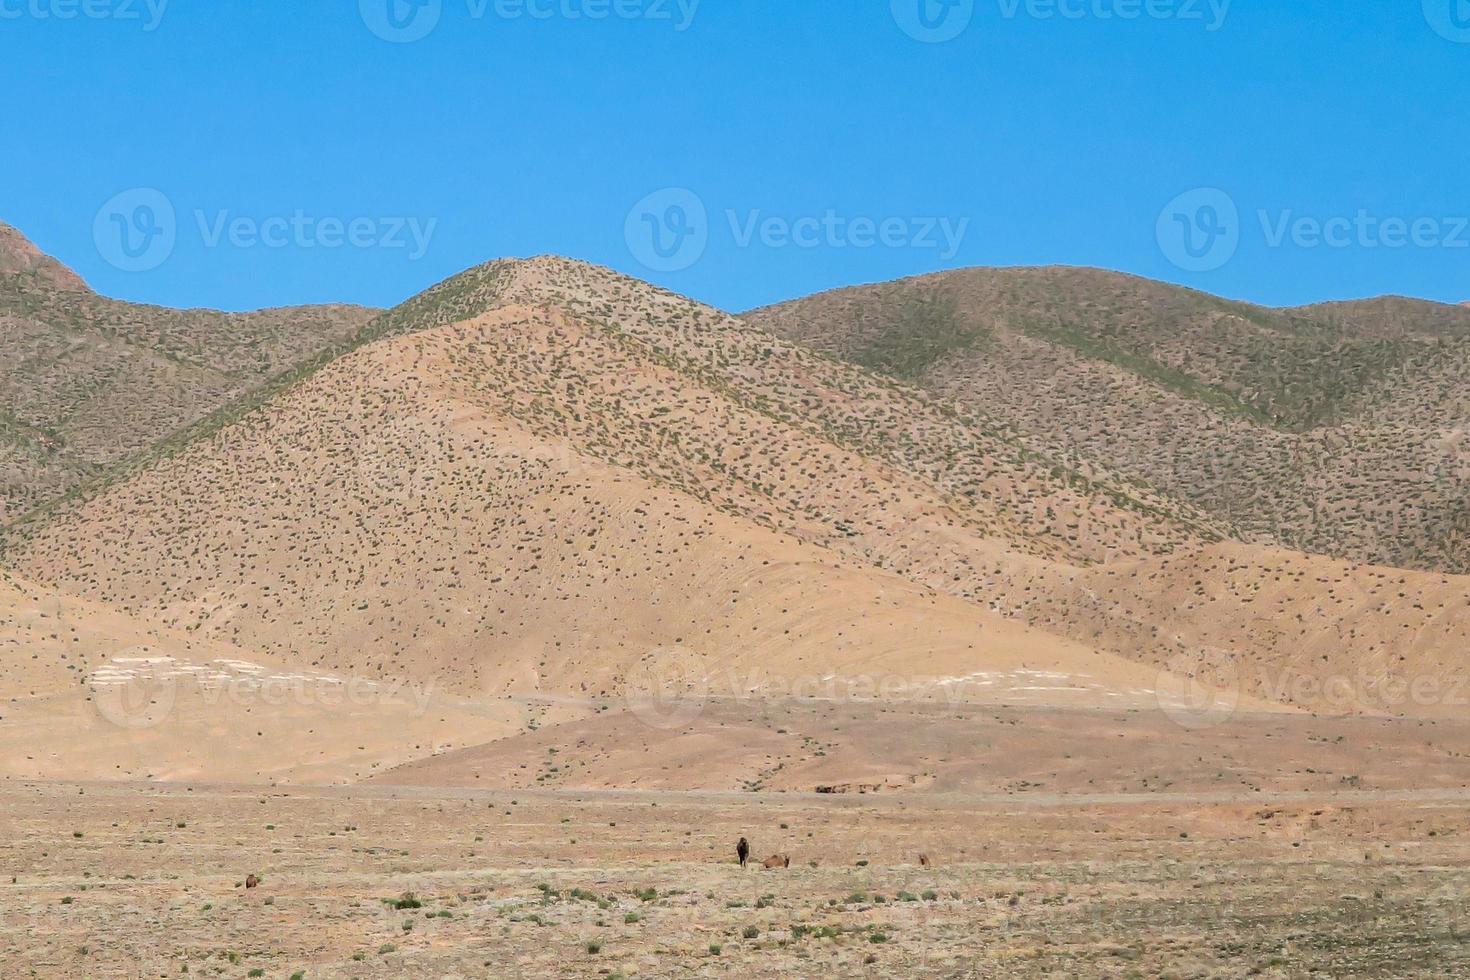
[(541, 479), (1310, 428), (19, 256), (93, 382)]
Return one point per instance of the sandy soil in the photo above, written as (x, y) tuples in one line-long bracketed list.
[(126, 880)]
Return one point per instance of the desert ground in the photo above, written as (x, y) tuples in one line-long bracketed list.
[(467, 638), (135, 880), (1061, 842)]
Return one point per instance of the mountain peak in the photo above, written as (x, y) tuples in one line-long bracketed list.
[(20, 257)]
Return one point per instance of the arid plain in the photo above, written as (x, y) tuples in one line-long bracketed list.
[(1049, 621)]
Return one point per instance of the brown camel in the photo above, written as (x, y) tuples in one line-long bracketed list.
[(251, 881), (924, 860), (777, 861)]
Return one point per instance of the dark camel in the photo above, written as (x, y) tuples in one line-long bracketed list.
[(742, 851)]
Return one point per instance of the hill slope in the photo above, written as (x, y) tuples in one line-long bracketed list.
[(1336, 429), (408, 512), (91, 382), (92, 693), (541, 478), (1281, 626)]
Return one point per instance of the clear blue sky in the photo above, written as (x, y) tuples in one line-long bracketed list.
[(1046, 139)]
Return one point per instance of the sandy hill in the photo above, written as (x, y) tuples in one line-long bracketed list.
[(88, 692), (767, 430), (91, 382), (540, 486), (1336, 429), (428, 507), (970, 459), (1283, 626)]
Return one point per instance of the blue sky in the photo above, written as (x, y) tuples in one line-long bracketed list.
[(1282, 151)]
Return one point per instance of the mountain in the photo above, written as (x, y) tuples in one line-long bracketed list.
[(21, 259), (508, 495), (91, 382), (541, 490), (682, 394), (1338, 429)]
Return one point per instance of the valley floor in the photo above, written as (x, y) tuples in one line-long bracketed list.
[(146, 880)]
